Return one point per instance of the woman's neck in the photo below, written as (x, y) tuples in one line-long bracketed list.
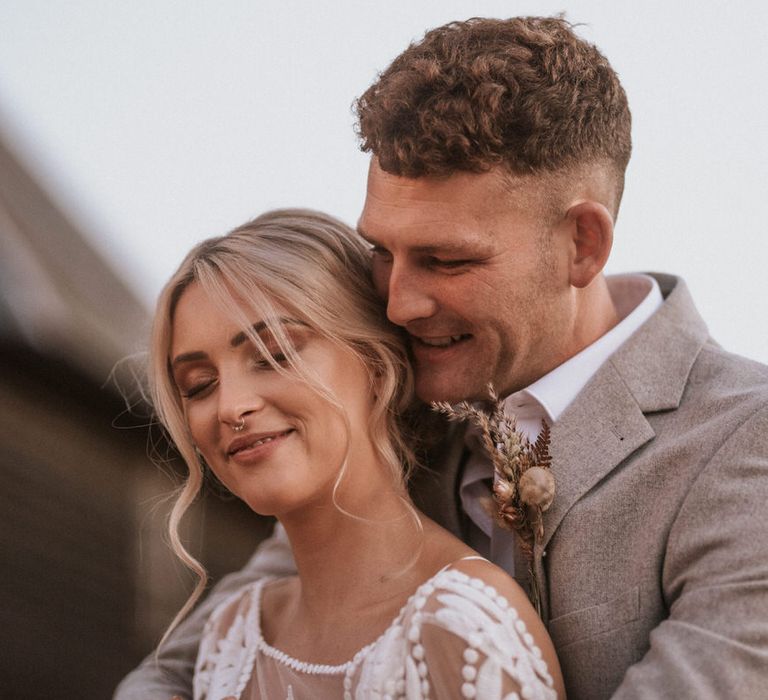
[(354, 559), (355, 573), (361, 550)]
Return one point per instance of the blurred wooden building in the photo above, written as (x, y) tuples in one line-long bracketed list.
[(87, 582)]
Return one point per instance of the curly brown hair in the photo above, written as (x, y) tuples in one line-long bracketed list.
[(525, 94)]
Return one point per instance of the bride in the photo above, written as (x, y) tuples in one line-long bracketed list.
[(273, 365)]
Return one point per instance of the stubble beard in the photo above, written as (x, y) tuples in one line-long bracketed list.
[(454, 384)]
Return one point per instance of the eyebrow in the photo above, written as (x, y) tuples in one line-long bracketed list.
[(188, 357), (450, 247), (242, 336), (236, 340)]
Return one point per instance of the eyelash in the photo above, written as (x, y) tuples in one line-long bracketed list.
[(381, 252), (198, 389), (278, 357), (431, 262), (448, 264)]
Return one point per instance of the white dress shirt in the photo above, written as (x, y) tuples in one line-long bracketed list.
[(636, 298)]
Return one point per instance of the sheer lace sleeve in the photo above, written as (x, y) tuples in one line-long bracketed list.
[(466, 641), (226, 649)]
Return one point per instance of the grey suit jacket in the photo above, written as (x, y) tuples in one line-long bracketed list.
[(655, 552)]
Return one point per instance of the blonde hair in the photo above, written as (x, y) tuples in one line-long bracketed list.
[(316, 269)]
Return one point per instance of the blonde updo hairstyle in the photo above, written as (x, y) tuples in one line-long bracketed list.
[(315, 269)]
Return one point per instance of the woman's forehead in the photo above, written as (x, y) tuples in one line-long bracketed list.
[(203, 315)]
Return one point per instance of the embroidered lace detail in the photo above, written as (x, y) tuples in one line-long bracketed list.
[(295, 664), (456, 636)]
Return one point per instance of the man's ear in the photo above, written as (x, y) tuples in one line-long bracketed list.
[(590, 227)]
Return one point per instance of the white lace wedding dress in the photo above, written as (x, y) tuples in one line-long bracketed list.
[(455, 637)]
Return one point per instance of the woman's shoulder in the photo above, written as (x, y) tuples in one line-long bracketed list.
[(472, 596), (464, 629), (485, 579), (448, 553), (477, 567), (474, 604)]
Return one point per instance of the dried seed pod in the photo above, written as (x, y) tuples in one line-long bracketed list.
[(537, 487), (504, 491)]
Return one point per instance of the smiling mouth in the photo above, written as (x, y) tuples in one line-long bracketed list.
[(442, 341), (249, 444)]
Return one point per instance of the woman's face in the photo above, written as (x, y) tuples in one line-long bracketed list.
[(293, 443)]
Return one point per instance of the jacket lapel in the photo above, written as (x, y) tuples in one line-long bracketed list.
[(593, 436), (607, 422)]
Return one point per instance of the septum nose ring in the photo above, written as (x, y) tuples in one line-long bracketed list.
[(239, 426)]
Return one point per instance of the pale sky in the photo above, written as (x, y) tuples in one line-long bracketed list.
[(157, 123)]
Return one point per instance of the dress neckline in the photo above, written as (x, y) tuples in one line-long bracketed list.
[(346, 668)]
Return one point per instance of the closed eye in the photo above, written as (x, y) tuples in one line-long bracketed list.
[(277, 357), (448, 264), (381, 253), (198, 389)]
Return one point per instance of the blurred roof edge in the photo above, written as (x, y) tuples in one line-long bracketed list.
[(57, 294)]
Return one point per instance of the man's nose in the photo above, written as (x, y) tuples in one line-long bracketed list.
[(409, 296)]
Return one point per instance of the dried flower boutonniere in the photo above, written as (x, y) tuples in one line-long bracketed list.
[(523, 484)]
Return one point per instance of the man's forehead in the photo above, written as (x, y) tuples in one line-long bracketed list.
[(460, 194), (458, 210), (384, 185)]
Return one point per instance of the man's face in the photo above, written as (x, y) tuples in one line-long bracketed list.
[(470, 268)]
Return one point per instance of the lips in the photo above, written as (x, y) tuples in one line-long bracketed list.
[(254, 441), (439, 341)]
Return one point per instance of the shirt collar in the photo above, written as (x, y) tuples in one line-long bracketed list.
[(636, 298)]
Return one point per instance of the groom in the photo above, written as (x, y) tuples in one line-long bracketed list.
[(499, 150)]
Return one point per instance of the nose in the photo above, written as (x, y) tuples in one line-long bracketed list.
[(239, 399), (408, 296)]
